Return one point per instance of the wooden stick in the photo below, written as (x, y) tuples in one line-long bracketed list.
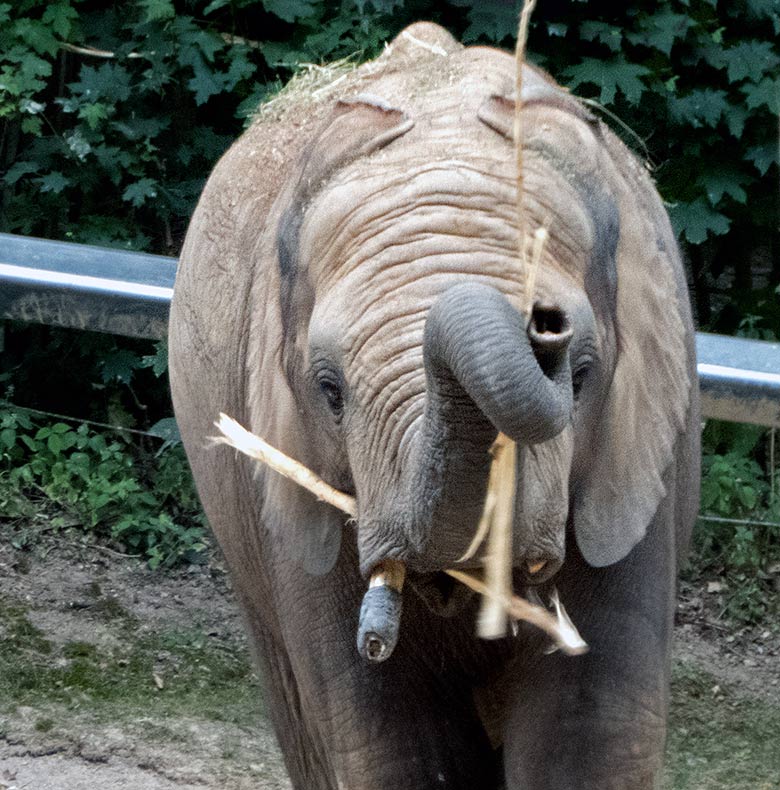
[(492, 622), (238, 437)]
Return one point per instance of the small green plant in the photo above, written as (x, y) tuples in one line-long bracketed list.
[(102, 483), (738, 534)]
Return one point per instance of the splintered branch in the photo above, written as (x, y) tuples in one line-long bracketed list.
[(559, 627)]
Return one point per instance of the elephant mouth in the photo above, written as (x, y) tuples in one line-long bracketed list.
[(446, 597), (442, 595)]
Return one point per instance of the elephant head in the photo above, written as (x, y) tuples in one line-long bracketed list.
[(405, 347)]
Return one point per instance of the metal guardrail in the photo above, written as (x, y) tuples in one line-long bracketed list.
[(82, 287), (129, 293)]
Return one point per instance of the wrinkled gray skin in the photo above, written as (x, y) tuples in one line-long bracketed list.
[(349, 290)]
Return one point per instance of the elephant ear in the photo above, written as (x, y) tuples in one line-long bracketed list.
[(357, 127), (648, 399)]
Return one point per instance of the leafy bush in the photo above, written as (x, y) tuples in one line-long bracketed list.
[(101, 483), (738, 534), (113, 115)]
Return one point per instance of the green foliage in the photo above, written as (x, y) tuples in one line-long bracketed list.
[(102, 483), (112, 117), (738, 536)]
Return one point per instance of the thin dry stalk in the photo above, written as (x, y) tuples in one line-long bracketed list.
[(491, 498), (522, 38), (540, 239), (238, 437), (492, 623)]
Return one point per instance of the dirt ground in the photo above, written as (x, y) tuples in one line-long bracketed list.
[(117, 677)]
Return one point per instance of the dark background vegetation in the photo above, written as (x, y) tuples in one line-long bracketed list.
[(112, 115)]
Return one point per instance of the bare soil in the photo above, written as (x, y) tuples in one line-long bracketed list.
[(167, 637)]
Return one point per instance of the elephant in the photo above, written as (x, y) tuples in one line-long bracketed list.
[(350, 289)]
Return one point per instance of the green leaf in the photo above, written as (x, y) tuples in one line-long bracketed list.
[(158, 361), (765, 8), (19, 170), (31, 107), (492, 21), (765, 94), (600, 31), (215, 5), (109, 81), (610, 76), (94, 113), (697, 220), (60, 16), (661, 30), (166, 429), (748, 497), (290, 10), (750, 59), (36, 35), (32, 126), (700, 106), (206, 83), (724, 181), (764, 156), (557, 29), (138, 192), (119, 365), (735, 118), (155, 10), (53, 182)]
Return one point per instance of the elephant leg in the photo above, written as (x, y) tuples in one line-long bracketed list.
[(598, 721)]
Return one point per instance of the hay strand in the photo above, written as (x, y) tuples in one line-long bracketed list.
[(522, 39)]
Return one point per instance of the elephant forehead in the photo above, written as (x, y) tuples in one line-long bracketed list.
[(397, 213)]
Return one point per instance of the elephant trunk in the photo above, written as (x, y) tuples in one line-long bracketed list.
[(477, 344), (486, 372)]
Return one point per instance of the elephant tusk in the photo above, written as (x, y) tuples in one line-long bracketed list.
[(380, 612)]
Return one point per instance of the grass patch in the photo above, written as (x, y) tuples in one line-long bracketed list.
[(165, 673), (718, 741)]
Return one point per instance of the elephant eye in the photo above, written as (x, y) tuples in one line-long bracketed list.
[(578, 377), (331, 389)]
